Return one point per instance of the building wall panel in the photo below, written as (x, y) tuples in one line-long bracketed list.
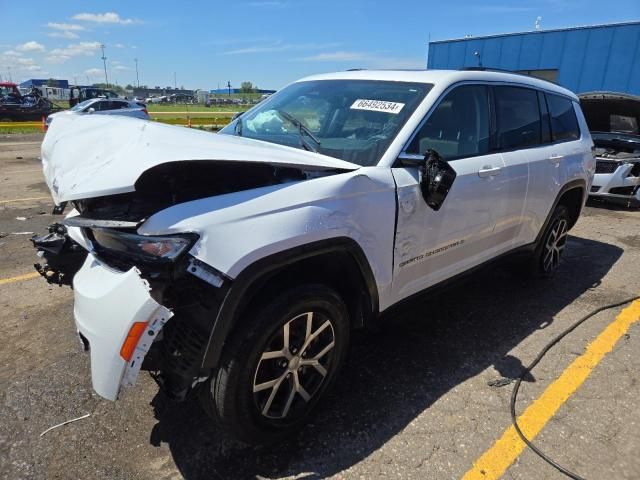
[(605, 57)]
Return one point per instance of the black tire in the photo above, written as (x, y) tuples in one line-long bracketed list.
[(544, 263), (230, 395)]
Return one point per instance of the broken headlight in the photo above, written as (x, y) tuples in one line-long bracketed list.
[(147, 247)]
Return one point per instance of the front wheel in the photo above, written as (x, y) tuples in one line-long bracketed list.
[(279, 362)]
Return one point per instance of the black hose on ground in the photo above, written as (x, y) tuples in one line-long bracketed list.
[(527, 370)]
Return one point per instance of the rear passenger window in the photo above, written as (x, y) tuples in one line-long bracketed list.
[(458, 127), (518, 117), (564, 124)]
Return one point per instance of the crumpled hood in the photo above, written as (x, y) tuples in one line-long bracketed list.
[(93, 156)]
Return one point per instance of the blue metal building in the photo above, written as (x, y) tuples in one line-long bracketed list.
[(582, 59)]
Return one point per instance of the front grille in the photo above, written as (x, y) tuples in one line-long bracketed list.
[(183, 346), (594, 189), (606, 166)]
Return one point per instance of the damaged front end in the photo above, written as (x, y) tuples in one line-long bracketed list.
[(144, 301), (62, 256), (136, 312), (614, 120), (147, 301)]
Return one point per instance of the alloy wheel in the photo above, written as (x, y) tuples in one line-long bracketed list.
[(554, 246), (292, 369)]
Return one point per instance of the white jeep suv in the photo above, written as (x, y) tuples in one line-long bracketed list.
[(237, 264)]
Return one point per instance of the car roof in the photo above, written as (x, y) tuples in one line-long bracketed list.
[(102, 99), (443, 76)]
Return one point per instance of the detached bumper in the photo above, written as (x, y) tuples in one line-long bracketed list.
[(107, 304)]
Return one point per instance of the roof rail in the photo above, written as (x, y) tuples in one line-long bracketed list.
[(490, 69), (502, 70)]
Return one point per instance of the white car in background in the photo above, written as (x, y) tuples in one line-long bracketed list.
[(614, 121), (161, 99), (243, 260), (105, 106)]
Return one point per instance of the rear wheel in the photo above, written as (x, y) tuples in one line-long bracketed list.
[(278, 364), (548, 253)]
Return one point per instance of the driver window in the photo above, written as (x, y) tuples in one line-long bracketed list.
[(458, 127)]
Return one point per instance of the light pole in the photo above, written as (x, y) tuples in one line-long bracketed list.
[(137, 78), (104, 63), (229, 86), (9, 72), (175, 83), (479, 55)]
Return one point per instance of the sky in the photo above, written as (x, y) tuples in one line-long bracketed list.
[(204, 44)]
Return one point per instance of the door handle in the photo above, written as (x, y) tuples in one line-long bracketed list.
[(489, 171), (556, 158)]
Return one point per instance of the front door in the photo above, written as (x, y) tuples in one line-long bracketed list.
[(431, 246)]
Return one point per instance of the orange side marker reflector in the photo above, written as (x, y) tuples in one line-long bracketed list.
[(130, 343)]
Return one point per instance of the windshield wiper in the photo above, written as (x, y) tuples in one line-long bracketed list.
[(302, 128)]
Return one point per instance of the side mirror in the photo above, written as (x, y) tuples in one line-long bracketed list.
[(236, 115), (436, 179), (91, 110)]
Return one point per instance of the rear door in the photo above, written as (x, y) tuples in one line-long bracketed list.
[(430, 245), (561, 156), (518, 137)]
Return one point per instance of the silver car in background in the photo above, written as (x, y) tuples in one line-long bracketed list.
[(105, 106)]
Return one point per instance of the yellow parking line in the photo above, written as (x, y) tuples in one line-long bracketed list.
[(495, 461), (19, 278), (23, 199)]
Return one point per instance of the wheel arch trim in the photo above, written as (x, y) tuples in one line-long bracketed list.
[(233, 298), (572, 185)]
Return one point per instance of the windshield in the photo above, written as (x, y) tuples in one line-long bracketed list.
[(6, 91), (352, 120), (79, 106)]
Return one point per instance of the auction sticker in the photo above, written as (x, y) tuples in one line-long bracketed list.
[(377, 106)]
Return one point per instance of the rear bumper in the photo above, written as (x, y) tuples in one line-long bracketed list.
[(107, 304)]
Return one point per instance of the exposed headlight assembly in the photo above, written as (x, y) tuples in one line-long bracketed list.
[(165, 248)]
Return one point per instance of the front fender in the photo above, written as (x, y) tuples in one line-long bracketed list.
[(238, 229)]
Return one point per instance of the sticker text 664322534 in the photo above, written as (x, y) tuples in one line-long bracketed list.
[(377, 106)]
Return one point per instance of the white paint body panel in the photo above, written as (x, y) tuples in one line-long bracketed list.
[(107, 303), (463, 230), (94, 156), (239, 228)]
